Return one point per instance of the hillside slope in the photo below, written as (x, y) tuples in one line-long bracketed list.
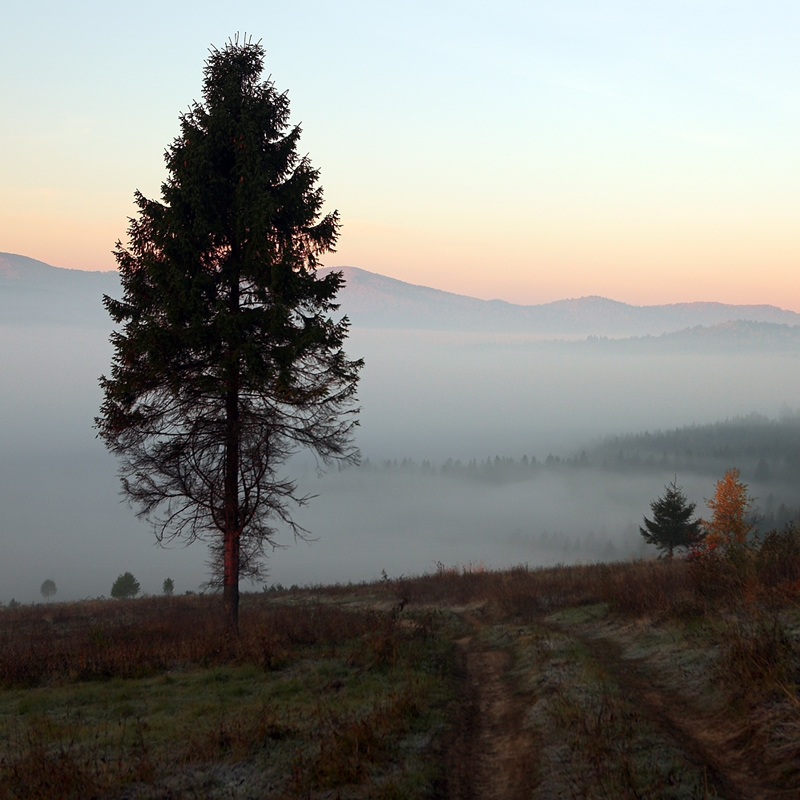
[(376, 301), (33, 292)]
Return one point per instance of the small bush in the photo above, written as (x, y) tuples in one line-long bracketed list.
[(125, 587), (758, 654), (48, 589), (778, 559)]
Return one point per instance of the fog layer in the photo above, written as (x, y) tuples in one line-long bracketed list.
[(437, 396), (423, 396)]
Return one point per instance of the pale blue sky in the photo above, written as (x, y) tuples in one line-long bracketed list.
[(531, 151)]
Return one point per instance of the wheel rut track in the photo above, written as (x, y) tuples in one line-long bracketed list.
[(493, 754), (709, 740)]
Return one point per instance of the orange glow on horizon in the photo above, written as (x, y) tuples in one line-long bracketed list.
[(756, 264), (752, 266)]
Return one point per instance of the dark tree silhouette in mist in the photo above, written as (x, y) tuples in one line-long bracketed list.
[(671, 526), (228, 360), (125, 587), (48, 589)]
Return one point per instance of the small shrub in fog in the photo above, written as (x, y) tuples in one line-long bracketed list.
[(48, 589), (730, 525), (125, 586), (168, 588)]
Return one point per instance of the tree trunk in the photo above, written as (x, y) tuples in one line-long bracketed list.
[(231, 599), (230, 582)]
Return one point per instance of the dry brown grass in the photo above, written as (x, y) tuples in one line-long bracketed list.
[(744, 600), (320, 694), (137, 638), (766, 574)]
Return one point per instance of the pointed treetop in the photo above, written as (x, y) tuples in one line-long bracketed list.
[(232, 71)]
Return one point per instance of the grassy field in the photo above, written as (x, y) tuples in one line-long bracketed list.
[(657, 679)]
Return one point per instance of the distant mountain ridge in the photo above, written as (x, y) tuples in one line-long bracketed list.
[(34, 292), (25, 271), (376, 301), (734, 335)]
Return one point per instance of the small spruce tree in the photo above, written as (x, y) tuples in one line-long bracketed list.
[(125, 587), (169, 587), (671, 526)]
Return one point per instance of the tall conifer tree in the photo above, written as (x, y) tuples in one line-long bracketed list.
[(228, 359)]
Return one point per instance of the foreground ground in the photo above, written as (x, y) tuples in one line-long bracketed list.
[(643, 680)]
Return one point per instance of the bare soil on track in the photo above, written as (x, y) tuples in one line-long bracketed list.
[(493, 753), (710, 740), (503, 750)]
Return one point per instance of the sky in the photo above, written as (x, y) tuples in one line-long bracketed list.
[(529, 151)]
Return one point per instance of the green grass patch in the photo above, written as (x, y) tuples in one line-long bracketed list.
[(358, 713), (579, 615)]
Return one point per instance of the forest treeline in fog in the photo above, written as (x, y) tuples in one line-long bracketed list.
[(575, 507), (765, 451)]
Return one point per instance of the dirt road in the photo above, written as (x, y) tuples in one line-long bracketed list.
[(493, 755), (555, 711)]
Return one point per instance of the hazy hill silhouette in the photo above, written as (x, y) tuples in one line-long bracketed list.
[(733, 336), (32, 292), (375, 301), (35, 293)]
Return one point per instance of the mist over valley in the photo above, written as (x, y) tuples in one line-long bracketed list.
[(526, 436)]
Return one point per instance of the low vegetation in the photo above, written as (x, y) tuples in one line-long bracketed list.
[(665, 678), (125, 587), (152, 697)]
